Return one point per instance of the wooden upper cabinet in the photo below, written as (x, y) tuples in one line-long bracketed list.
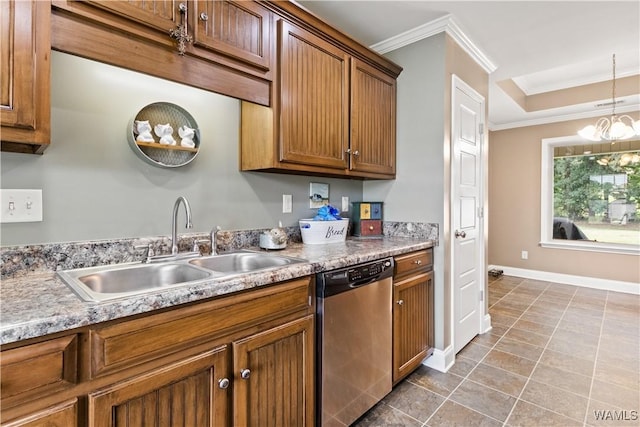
[(159, 14), (373, 120), (314, 94), (240, 30), (25, 64)]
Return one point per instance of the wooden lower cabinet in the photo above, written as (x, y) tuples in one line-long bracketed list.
[(185, 393), (412, 313), (245, 359), (273, 377)]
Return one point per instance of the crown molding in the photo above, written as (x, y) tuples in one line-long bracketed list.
[(447, 24), (560, 118)]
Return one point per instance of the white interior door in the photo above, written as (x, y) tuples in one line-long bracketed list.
[(466, 235)]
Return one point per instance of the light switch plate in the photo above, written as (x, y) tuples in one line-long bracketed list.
[(345, 204), (20, 205), (286, 203)]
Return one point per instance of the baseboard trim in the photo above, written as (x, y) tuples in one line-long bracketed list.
[(441, 360), (486, 324), (569, 279)]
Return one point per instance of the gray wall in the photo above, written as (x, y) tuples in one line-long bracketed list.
[(95, 187), (417, 194)]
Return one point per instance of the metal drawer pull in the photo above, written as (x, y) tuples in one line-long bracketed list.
[(400, 302), (204, 16), (418, 262), (223, 383), (245, 374)]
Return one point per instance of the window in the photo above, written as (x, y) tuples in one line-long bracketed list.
[(591, 195)]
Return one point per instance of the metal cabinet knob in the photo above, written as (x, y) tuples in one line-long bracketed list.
[(182, 7), (245, 374), (417, 262), (204, 16), (461, 234), (223, 383), (371, 227), (356, 153), (400, 302)]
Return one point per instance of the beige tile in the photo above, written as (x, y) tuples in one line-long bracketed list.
[(451, 414), (525, 414), (567, 362), (496, 378), (384, 415), (535, 284), (435, 381), (474, 351), (558, 288), (510, 362), (568, 404), (540, 319), (519, 348), (581, 327), (584, 351), (503, 320), (627, 358), (551, 304), (545, 311), (501, 309), (484, 400), (564, 380), (488, 339), (462, 366), (527, 337), (620, 377), (615, 395), (534, 327), (628, 330), (414, 401)]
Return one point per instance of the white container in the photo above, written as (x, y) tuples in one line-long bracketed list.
[(319, 232)]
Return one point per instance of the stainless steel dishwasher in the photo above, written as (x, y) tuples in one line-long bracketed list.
[(354, 347)]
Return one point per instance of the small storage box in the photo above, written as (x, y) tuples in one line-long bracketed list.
[(319, 232), (367, 219)]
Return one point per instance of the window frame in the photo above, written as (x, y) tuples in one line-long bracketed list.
[(546, 206)]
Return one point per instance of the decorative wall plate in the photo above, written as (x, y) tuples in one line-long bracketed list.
[(158, 134)]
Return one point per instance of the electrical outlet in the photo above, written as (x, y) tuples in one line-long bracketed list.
[(345, 204), (525, 255), (286, 203), (21, 205)]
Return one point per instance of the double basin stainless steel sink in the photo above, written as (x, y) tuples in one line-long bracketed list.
[(120, 280)]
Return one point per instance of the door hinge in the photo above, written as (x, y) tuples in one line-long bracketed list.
[(481, 128), (481, 295), (480, 212)]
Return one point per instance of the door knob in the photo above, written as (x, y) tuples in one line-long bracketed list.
[(245, 374), (460, 234)]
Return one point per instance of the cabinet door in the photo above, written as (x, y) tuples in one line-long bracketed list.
[(240, 30), (314, 103), (273, 372), (185, 393), (62, 415), (25, 84), (412, 323), (159, 14), (373, 120)]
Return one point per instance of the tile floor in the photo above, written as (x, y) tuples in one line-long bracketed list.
[(556, 354)]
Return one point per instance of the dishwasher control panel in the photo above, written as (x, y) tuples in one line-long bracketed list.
[(368, 270), (337, 281)]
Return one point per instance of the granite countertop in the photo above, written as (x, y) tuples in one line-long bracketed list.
[(40, 303)]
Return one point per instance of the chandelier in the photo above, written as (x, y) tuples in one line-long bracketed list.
[(614, 128)]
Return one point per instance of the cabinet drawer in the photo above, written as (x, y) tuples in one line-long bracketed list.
[(130, 343), (37, 368), (415, 261), (368, 227)]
